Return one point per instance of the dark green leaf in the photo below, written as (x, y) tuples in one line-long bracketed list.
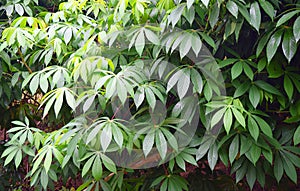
[(255, 16), (233, 149), (273, 44), (289, 45)]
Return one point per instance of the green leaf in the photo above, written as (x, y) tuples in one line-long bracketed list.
[(268, 8), (296, 29), (58, 102), (19, 9), (289, 169), (255, 152), (108, 163), (251, 176), (18, 158), (253, 128), (148, 143), (264, 126), (68, 35), (217, 116), (87, 165), (239, 117), (234, 148), (151, 36), (117, 134), (232, 8), (267, 87), (183, 83), (97, 168), (289, 45), (261, 64), (34, 84), (254, 96), (273, 44), (48, 159), (286, 17), (106, 136), (227, 120), (212, 156), (214, 14), (44, 179), (150, 98), (278, 168), (288, 86), (185, 45), (241, 89), (296, 137), (140, 42), (205, 2), (161, 144), (255, 16), (248, 71), (262, 43), (236, 70)]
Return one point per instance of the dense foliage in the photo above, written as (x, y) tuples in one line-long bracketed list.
[(66, 66)]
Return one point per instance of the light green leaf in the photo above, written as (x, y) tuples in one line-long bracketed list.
[(140, 42), (205, 2), (48, 159), (108, 163), (19, 9), (87, 165), (150, 98), (58, 102), (185, 45), (148, 143), (227, 120), (68, 35), (97, 168), (183, 83), (106, 136), (239, 117), (161, 144)]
